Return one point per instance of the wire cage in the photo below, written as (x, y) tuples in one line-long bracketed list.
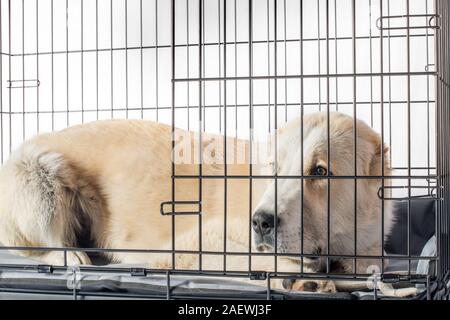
[(241, 68)]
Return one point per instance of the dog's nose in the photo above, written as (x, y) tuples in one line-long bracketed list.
[(263, 222)]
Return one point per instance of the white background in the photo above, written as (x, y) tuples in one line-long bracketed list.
[(68, 81)]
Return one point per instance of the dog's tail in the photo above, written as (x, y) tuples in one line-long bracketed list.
[(41, 202)]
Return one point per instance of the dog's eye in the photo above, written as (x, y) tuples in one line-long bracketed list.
[(319, 171)]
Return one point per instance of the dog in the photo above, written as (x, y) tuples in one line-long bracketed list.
[(101, 184)]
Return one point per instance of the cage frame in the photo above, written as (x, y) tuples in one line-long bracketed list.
[(442, 189)]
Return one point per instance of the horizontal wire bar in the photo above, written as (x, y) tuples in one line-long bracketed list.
[(290, 104), (220, 253), (281, 177), (194, 45), (217, 273), (309, 76), (189, 295)]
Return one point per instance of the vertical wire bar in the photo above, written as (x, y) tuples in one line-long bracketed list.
[(126, 59), (436, 107), (235, 81), (443, 140), (442, 75), (168, 297), (67, 64), (390, 81), (336, 54), (268, 64), (220, 67), (9, 76), (355, 168), (444, 109), (328, 135), (445, 86), (75, 284), (53, 67), (445, 83), (428, 102), (438, 142), (319, 55), (157, 62), (112, 57), (441, 98), (285, 63), (441, 162), (268, 295), (96, 61), (408, 63), (23, 71), (302, 136), (188, 83), (275, 25), (439, 137), (37, 67), (447, 79), (173, 140), (371, 63), (203, 73), (225, 187), (382, 129), (441, 157), (141, 60), (445, 113), (82, 62), (250, 110), (200, 120), (1, 82)]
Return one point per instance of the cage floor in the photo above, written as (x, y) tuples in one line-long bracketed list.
[(26, 284)]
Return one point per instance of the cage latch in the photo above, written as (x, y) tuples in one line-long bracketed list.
[(431, 22), (384, 193), (258, 275), (44, 268), (138, 272), (25, 83), (174, 212)]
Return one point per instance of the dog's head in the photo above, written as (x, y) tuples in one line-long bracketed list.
[(303, 223)]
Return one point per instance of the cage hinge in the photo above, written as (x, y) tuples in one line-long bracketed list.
[(174, 212), (42, 268), (259, 275), (138, 272)]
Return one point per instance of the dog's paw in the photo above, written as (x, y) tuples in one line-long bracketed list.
[(319, 286), (74, 258)]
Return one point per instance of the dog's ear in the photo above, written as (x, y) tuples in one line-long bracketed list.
[(381, 151)]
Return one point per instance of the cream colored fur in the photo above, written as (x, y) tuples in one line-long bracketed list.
[(110, 177)]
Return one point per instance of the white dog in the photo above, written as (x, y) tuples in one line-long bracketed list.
[(101, 185)]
